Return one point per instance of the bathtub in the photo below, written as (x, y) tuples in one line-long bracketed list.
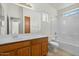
[(68, 43)]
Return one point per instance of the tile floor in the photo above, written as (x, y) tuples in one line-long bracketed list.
[(59, 52)]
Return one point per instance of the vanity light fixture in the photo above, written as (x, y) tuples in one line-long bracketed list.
[(25, 5)]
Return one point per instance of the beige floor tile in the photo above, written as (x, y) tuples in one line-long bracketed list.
[(59, 52)]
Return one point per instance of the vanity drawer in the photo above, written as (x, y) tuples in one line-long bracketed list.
[(13, 46), (36, 41), (44, 39)]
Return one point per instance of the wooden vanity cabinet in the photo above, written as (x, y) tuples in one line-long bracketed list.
[(40, 47), (34, 47), (44, 46), (44, 49), (10, 53), (36, 50), (16, 49), (25, 51)]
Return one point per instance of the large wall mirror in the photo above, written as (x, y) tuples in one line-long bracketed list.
[(9, 22), (2, 21)]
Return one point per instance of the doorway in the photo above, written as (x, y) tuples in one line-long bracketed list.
[(27, 24)]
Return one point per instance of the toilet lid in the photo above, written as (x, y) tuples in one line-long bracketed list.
[(54, 43)]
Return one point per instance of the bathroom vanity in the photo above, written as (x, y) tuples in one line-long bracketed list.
[(30, 45)]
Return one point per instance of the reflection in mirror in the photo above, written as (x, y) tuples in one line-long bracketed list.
[(14, 25), (2, 21)]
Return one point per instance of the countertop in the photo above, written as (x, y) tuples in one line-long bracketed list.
[(20, 37)]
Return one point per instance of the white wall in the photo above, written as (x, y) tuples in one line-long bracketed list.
[(54, 28), (13, 10)]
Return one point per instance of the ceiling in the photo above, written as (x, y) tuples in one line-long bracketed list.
[(59, 6)]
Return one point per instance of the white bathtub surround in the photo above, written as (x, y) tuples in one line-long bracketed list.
[(68, 34), (69, 48)]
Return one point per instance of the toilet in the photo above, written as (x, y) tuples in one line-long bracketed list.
[(53, 45)]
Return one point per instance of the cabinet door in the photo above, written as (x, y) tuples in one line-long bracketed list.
[(24, 51), (11, 53), (44, 48), (36, 50)]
